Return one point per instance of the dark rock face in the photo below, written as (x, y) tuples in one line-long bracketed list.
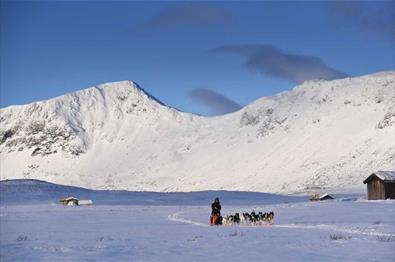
[(43, 138)]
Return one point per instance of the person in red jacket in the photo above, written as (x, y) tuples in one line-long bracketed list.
[(216, 218)]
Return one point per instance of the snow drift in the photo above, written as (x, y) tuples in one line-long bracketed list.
[(320, 135)]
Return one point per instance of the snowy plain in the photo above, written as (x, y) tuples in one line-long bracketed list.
[(145, 226)]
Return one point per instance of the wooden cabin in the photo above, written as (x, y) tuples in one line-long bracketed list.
[(381, 185), (69, 201), (319, 197)]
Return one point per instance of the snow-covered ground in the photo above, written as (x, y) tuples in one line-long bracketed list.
[(166, 227)]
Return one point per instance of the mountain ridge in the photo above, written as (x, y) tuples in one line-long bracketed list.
[(320, 134)]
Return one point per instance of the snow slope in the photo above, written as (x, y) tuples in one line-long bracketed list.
[(320, 135)]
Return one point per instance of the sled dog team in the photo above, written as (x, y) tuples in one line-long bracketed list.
[(245, 219), (249, 218)]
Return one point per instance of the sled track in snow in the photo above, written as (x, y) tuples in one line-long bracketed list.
[(348, 230), (175, 218), (351, 230)]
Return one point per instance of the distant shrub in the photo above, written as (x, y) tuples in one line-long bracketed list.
[(388, 238), (235, 234), (338, 237), (21, 238)]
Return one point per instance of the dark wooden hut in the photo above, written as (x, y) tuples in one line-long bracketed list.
[(381, 185), (320, 197)]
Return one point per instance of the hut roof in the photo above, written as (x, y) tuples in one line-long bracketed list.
[(321, 197), (385, 176), (69, 198), (325, 196)]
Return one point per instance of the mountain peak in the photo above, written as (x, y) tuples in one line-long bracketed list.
[(126, 87)]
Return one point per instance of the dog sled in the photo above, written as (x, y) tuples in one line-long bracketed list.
[(245, 219), (215, 220)]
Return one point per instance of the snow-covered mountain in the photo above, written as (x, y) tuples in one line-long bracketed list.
[(321, 134)]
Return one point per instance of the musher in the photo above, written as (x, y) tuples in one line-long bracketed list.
[(216, 218)]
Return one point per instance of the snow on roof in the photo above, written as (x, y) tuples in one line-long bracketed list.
[(69, 198), (386, 176), (321, 197)]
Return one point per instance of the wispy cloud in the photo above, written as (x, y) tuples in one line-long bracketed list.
[(374, 18), (269, 60), (190, 14), (216, 102)]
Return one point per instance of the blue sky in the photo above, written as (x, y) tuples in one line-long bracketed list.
[(208, 58)]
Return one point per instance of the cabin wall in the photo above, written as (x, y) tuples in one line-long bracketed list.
[(376, 189), (390, 190)]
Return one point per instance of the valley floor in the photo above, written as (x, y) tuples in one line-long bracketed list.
[(339, 230)]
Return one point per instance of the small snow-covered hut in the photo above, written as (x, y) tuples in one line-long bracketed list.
[(319, 197), (381, 185), (86, 202), (69, 201)]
